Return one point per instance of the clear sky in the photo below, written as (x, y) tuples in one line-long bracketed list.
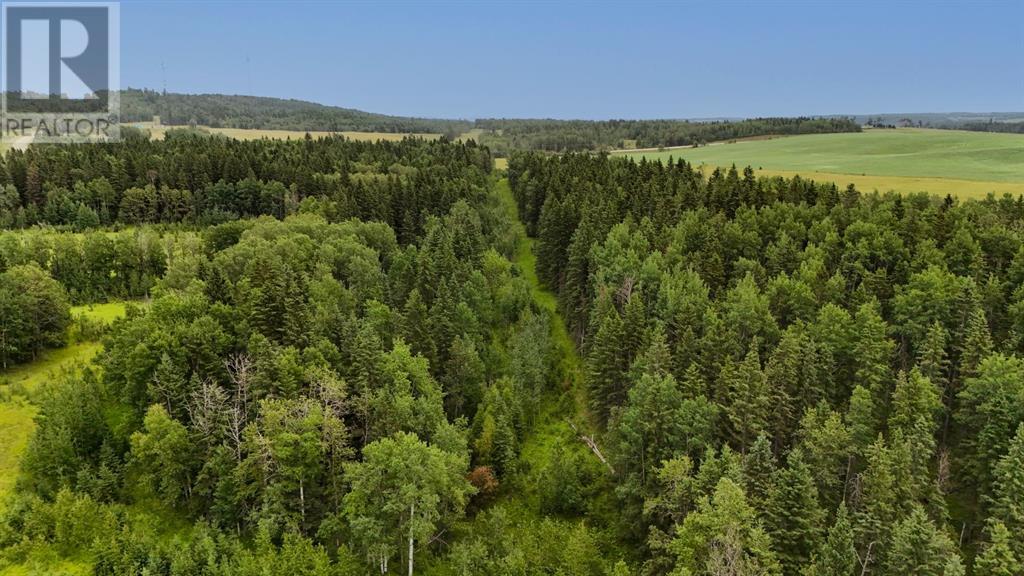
[(588, 59)]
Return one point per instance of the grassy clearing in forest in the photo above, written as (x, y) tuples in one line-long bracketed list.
[(106, 312), (563, 404), (961, 163), (19, 383), (17, 412), (550, 429)]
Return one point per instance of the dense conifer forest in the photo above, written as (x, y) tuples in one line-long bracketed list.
[(350, 358), (792, 378)]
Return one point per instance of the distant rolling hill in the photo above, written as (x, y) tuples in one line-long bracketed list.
[(262, 113)]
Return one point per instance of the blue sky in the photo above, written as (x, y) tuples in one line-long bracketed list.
[(588, 60)]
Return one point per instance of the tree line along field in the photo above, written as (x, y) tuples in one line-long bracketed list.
[(159, 131), (965, 164), (353, 361)]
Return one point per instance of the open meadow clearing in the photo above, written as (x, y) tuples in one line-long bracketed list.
[(967, 164), (19, 383)]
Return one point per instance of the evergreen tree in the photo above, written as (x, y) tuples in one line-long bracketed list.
[(723, 536), (1008, 490), (977, 342), (861, 419), (932, 359), (918, 547), (794, 516), (997, 557), (915, 407), (990, 412), (416, 327), (606, 364), (873, 350), (759, 473), (837, 556), (749, 402)]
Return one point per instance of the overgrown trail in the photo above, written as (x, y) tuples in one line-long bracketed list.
[(567, 404)]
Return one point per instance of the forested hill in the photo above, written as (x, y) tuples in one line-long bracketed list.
[(577, 135), (224, 111), (501, 135)]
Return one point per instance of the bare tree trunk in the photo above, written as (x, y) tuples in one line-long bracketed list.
[(589, 441), (412, 514)]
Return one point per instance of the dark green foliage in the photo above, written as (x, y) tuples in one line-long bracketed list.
[(217, 111), (191, 178), (780, 377), (837, 555), (795, 517), (505, 135), (872, 339)]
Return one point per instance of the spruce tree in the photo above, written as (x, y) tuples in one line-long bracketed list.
[(997, 557), (606, 365), (873, 350), (861, 419), (915, 406), (932, 358), (837, 556), (977, 342), (918, 547), (794, 516), (759, 472), (749, 405), (416, 327), (1008, 490)]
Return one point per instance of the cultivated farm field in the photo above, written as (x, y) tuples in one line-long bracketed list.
[(965, 164), (158, 132)]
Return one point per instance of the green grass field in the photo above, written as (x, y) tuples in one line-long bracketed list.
[(18, 383), (968, 164), (106, 312)]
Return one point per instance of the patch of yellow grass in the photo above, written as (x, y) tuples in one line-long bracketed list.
[(963, 189), (501, 163), (473, 134), (158, 132)]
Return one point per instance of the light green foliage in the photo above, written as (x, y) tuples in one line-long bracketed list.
[(837, 555), (991, 408), (34, 314), (656, 424), (400, 492), (916, 406), (998, 557), (1008, 490), (162, 453), (919, 548), (723, 536)]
